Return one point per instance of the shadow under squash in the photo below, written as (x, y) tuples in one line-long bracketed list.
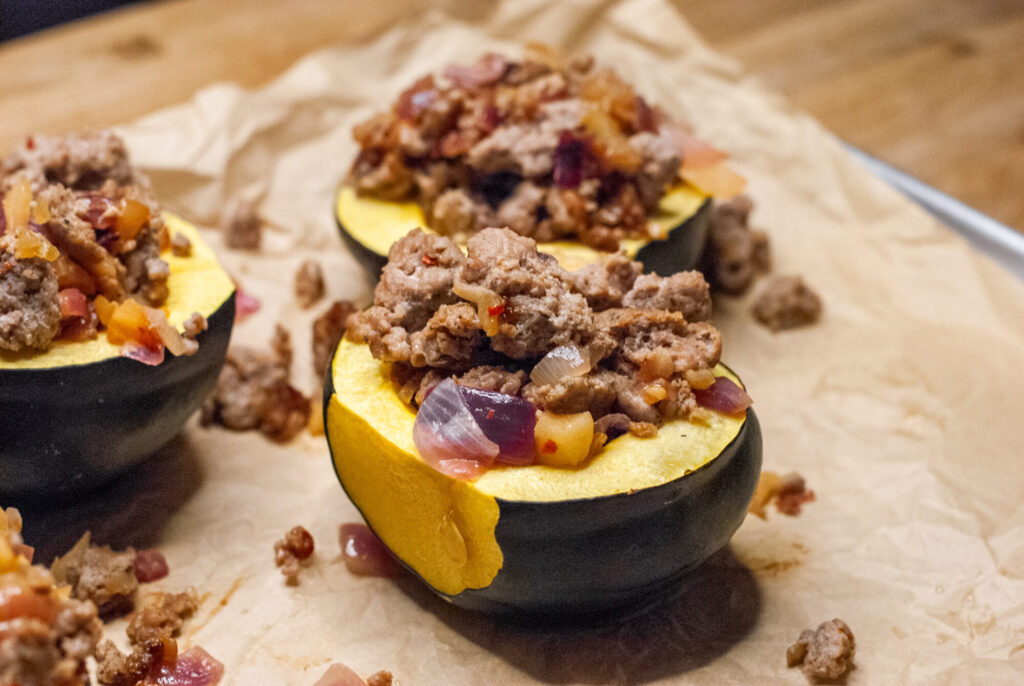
[(130, 510), (684, 628)]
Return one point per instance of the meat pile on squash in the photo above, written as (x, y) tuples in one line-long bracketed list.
[(81, 239), (598, 352), (552, 147)]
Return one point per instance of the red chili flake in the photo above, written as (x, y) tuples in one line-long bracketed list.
[(549, 447), (495, 310), (30, 143), (490, 413), (427, 259)]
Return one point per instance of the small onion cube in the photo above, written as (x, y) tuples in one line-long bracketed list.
[(448, 437), (194, 667), (73, 303), (143, 354), (339, 675), (507, 420), (150, 565), (723, 396), (364, 553), (563, 362)]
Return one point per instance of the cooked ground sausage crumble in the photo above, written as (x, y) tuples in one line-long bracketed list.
[(487, 317)]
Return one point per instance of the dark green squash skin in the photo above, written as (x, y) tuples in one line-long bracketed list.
[(594, 555), (72, 427), (679, 252)]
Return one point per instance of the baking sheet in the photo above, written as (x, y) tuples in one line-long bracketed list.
[(899, 407)]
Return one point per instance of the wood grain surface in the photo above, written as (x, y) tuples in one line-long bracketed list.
[(935, 87)]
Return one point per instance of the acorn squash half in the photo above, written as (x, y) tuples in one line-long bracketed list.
[(78, 413), (370, 226), (540, 540)]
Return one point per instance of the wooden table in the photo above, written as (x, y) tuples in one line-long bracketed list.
[(935, 87)]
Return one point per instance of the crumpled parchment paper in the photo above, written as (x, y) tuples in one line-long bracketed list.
[(901, 408)]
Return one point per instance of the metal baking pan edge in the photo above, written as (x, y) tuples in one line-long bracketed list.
[(993, 238)]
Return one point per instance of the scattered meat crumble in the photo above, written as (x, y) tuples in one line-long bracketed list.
[(328, 329), (787, 303), (241, 222), (734, 253), (825, 653), (338, 674), (550, 146), (194, 325), (291, 551), (789, 492), (99, 574), (253, 392), (487, 317), (181, 246), (309, 283), (35, 651)]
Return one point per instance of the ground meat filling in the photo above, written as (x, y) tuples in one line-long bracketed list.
[(82, 162), (29, 310), (547, 146), (824, 653), (513, 305), (101, 575)]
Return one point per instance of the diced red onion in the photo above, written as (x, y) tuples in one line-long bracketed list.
[(447, 436), (563, 362), (150, 565), (483, 72), (171, 337), (364, 553), (73, 303), (416, 99), (507, 420), (696, 153), (141, 353), (339, 675), (102, 212), (568, 162), (194, 667), (723, 396), (245, 304)]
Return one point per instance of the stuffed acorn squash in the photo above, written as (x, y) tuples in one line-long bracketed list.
[(526, 438), (557, 149)]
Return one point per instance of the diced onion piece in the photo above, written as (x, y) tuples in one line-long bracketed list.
[(700, 378), (129, 324), (150, 565), (18, 205), (339, 675), (144, 354), (654, 393), (483, 72), (717, 180), (563, 440), (169, 336), (507, 420), (723, 396), (41, 212), (657, 365), (563, 362), (487, 304), (364, 553), (194, 667), (73, 303), (134, 215), (696, 153), (448, 437), (246, 304)]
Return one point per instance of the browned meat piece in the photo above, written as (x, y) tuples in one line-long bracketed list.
[(80, 161), (457, 214), (161, 615), (194, 325), (416, 281), (291, 551), (29, 307), (328, 329), (116, 669), (253, 393), (181, 246), (686, 293), (792, 493), (567, 212), (309, 283), (595, 393), (734, 254), (519, 211), (825, 653), (605, 283), (786, 303), (381, 678), (241, 222), (536, 310), (75, 237), (99, 574), (146, 273), (34, 653), (524, 149), (450, 339), (489, 378), (388, 178), (645, 336), (660, 167)]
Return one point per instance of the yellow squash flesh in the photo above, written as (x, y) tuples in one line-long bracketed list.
[(444, 528)]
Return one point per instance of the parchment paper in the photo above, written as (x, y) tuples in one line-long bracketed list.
[(901, 408)]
